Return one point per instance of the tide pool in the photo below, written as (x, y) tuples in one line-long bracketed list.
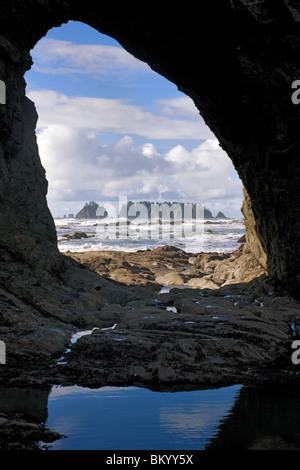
[(126, 418)]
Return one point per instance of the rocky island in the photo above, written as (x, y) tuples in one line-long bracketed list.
[(89, 211), (92, 210)]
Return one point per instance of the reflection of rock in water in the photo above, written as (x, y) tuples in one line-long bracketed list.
[(30, 401), (23, 412), (262, 418)]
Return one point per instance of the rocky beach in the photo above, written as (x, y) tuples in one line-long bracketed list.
[(162, 317)]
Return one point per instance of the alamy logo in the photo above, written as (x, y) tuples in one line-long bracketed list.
[(156, 221), (2, 92), (2, 353), (296, 95), (296, 354)]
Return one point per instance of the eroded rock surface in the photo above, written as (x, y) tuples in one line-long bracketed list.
[(183, 334), (131, 331), (171, 266), (187, 338)]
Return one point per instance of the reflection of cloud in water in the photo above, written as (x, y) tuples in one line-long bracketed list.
[(190, 423), (73, 402), (75, 391), (192, 420)]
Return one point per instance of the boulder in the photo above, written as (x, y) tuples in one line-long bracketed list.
[(76, 236)]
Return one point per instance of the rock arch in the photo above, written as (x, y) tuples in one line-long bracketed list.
[(236, 59)]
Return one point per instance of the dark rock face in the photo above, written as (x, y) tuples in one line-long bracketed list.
[(237, 63)]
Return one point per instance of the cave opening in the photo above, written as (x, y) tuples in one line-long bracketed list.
[(110, 126), (253, 118)]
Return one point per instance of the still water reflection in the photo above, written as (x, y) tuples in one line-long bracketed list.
[(112, 418), (131, 418)]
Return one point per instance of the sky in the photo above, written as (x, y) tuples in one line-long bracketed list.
[(110, 127)]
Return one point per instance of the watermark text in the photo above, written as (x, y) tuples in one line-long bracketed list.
[(296, 94), (150, 459), (2, 352), (2, 92), (156, 221), (296, 353)]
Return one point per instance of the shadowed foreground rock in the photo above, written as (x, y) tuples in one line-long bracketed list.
[(186, 338), (134, 334), (21, 433), (229, 334)]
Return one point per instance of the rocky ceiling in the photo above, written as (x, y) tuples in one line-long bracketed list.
[(237, 59)]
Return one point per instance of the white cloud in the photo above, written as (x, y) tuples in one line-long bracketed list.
[(149, 150), (181, 106), (114, 116), (80, 168), (205, 172), (52, 56)]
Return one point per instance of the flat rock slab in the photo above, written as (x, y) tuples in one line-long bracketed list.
[(133, 333), (188, 337)]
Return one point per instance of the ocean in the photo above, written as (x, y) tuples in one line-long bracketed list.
[(213, 235)]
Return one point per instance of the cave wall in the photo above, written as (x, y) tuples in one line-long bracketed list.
[(237, 60)]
